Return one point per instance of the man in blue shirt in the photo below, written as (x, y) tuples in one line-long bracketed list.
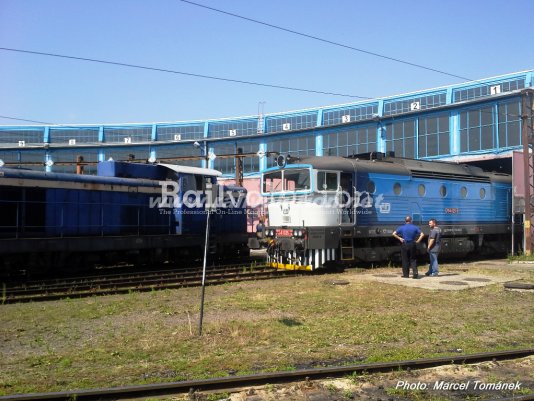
[(409, 235)]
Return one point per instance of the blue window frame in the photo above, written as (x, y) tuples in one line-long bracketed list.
[(79, 135), (303, 145), (227, 129), (477, 129), (173, 151), (350, 142), (509, 124), (70, 156), (127, 153), (29, 136), (400, 138), (179, 132), (348, 115), (128, 135), (36, 157), (478, 91), (417, 103), (433, 135), (225, 165), (291, 123)]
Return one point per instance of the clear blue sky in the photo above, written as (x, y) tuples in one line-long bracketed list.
[(466, 38)]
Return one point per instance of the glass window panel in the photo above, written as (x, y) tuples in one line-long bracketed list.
[(474, 118), (513, 110), (409, 148), (28, 136), (79, 135), (342, 139), (272, 182), (295, 180), (514, 133), (463, 141), (284, 145), (487, 116), (463, 120), (474, 139), (422, 146), (487, 137), (444, 144), (326, 181), (502, 135), (444, 124), (409, 129), (397, 130), (431, 125), (432, 145)]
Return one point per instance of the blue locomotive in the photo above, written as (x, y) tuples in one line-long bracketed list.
[(128, 212), (327, 210)]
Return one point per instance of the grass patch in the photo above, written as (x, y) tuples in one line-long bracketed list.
[(521, 258), (249, 327)]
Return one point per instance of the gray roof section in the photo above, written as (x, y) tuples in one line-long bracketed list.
[(408, 167)]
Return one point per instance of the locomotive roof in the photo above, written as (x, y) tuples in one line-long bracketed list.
[(401, 166), (192, 170)]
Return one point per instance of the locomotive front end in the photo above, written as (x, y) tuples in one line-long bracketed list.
[(304, 212)]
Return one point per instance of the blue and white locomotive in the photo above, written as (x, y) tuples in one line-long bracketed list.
[(128, 212), (327, 210)]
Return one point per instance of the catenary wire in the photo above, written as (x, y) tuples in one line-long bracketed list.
[(327, 41), (25, 119), (93, 60)]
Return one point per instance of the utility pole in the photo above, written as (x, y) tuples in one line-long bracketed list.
[(210, 204), (239, 167), (525, 107)]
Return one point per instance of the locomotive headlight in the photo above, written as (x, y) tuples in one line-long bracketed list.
[(298, 233)]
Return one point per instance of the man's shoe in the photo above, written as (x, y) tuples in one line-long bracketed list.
[(427, 274), (434, 275), (416, 277)]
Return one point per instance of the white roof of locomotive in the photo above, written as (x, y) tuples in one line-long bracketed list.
[(192, 170)]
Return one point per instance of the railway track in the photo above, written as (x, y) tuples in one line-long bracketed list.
[(80, 287), (233, 382)]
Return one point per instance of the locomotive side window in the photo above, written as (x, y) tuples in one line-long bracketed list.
[(272, 182), (463, 192), (482, 193), (296, 179), (443, 191), (422, 190), (326, 181), (371, 187), (397, 189)]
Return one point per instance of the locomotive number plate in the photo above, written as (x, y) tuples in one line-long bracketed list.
[(281, 232)]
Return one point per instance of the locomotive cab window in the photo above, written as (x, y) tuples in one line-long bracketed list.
[(272, 182), (443, 191), (296, 180), (286, 180), (463, 192), (397, 189), (482, 193), (327, 181)]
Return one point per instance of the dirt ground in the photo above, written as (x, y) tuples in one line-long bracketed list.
[(459, 382)]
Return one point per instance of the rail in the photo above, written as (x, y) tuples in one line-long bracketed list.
[(232, 382)]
